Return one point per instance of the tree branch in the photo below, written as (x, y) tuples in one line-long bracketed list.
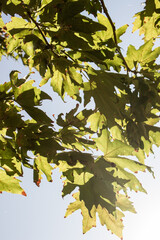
[(114, 35), (40, 30), (110, 20), (42, 34)]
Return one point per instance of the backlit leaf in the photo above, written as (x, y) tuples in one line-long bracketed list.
[(9, 184)]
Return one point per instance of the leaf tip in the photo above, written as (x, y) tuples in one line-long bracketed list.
[(136, 149), (24, 193), (38, 182)]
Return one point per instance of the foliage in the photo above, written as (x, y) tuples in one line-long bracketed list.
[(74, 45)]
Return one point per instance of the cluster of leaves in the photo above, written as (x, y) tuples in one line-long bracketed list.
[(75, 47)]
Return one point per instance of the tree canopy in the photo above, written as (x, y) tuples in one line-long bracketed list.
[(102, 143)]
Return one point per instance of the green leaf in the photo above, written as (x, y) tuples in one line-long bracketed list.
[(15, 2), (96, 120), (67, 188), (116, 63), (19, 27), (114, 150), (143, 55), (13, 44), (70, 9), (147, 20), (77, 77), (105, 35), (1, 22), (84, 24), (5, 87), (131, 181), (38, 115), (70, 88), (47, 148), (43, 165), (33, 95), (120, 31), (89, 220), (124, 204), (10, 184), (11, 165), (113, 223), (105, 86), (57, 82), (114, 153)]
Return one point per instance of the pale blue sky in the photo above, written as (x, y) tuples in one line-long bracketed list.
[(40, 215)]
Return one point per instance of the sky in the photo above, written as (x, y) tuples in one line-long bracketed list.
[(40, 215)]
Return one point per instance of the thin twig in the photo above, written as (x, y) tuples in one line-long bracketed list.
[(110, 20), (42, 34), (40, 30), (114, 35), (63, 51), (48, 45)]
